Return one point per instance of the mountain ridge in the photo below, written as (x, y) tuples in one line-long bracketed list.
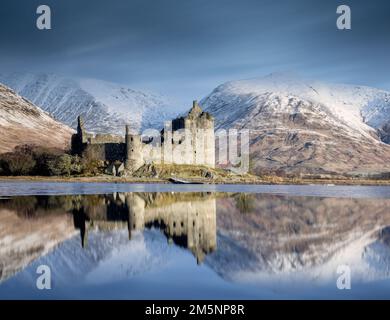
[(106, 107), (306, 127), (21, 123)]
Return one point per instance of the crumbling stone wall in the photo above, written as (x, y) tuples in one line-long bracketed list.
[(105, 152), (105, 138)]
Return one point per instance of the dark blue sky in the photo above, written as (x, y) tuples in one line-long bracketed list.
[(184, 48)]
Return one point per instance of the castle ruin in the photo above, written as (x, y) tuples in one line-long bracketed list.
[(186, 219), (185, 140)]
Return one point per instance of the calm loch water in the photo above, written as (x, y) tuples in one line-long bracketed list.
[(149, 241)]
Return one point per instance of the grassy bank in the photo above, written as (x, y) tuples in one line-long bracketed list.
[(220, 180)]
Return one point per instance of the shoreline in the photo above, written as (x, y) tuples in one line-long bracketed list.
[(240, 180)]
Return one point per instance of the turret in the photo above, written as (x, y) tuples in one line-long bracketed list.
[(79, 138), (80, 124), (195, 111), (80, 130), (134, 155)]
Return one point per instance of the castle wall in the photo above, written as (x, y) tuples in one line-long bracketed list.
[(209, 148), (181, 147), (152, 154), (184, 146), (167, 151), (106, 151), (105, 138), (186, 140)]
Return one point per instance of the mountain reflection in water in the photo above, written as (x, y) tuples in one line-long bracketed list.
[(241, 238)]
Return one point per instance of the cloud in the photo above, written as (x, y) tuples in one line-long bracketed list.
[(174, 45)]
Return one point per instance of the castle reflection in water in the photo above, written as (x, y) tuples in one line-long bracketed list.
[(186, 219), (262, 238)]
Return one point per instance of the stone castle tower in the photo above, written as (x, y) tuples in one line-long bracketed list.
[(134, 156), (201, 126), (190, 139)]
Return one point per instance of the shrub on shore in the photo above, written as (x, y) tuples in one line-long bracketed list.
[(35, 160), (64, 165), (17, 163)]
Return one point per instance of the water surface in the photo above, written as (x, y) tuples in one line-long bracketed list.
[(151, 241)]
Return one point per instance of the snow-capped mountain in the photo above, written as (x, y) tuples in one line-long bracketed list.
[(302, 126), (106, 107), (21, 122)]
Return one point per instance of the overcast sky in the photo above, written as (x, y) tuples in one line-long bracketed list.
[(185, 48)]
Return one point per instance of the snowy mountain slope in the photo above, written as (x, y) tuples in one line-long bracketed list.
[(21, 122), (105, 107), (299, 126)]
